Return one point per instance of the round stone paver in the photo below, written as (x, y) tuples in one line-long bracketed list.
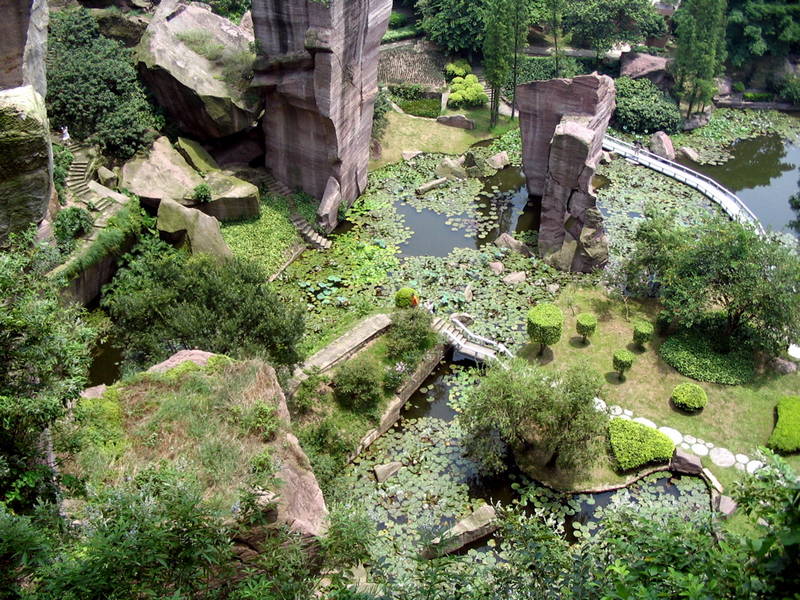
[(739, 466), (672, 434), (685, 446), (753, 466), (700, 449), (645, 422), (627, 413), (722, 457), (600, 405), (616, 410), (709, 445), (742, 458), (626, 417), (699, 441), (690, 439)]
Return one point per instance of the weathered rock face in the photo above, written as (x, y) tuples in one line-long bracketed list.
[(188, 225), (23, 44), (192, 87), (26, 161), (319, 77), (655, 68), (563, 122), (125, 27)]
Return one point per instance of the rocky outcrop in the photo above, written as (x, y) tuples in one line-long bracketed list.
[(475, 526), (196, 155), (196, 64), (318, 75), (128, 28), (506, 240), (233, 199), (655, 68), (26, 162), (198, 357), (23, 44), (563, 122), (459, 121), (191, 227), (661, 145)]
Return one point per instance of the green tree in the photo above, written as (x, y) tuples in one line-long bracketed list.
[(551, 12), (517, 405), (602, 23), (622, 361), (164, 300), (45, 349), (545, 322), (762, 28), (455, 25), (498, 49), (700, 34)]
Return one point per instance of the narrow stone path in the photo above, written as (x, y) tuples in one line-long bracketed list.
[(721, 457)]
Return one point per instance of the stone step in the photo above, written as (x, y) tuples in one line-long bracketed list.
[(103, 204)]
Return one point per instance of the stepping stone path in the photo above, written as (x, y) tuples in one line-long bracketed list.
[(722, 457)]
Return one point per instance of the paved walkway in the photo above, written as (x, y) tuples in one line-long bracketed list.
[(722, 457)]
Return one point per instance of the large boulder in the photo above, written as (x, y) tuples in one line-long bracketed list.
[(459, 121), (655, 68), (685, 462), (661, 145), (319, 78), (127, 27), (473, 527), (563, 122), (232, 199), (450, 168), (162, 174), (196, 63), (26, 163), (23, 43), (196, 155), (506, 240), (192, 227)]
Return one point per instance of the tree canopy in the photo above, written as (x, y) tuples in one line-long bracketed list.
[(455, 25), (762, 28)]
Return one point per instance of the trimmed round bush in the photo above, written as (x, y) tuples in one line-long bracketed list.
[(785, 437), (623, 360), (689, 396), (642, 333), (406, 298), (586, 325), (467, 92), (358, 384), (635, 445), (545, 323), (693, 355)]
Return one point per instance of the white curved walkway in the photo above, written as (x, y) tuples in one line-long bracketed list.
[(727, 200)]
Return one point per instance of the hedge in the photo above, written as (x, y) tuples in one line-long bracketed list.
[(635, 445), (467, 92), (691, 354), (458, 68), (689, 396), (785, 437), (402, 33), (643, 108), (425, 107), (586, 325)]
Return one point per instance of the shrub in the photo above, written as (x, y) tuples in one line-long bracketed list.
[(692, 354), (790, 89), (642, 333), (403, 33), (358, 384), (393, 376), (202, 193), (457, 68), (623, 360), (231, 9), (262, 419), (406, 298), (689, 396), (397, 20), (424, 107), (738, 87), (467, 92), (379, 119), (407, 91), (540, 68), (410, 334), (545, 322), (643, 108), (758, 96), (307, 392), (785, 437), (586, 325), (635, 445), (69, 224), (62, 159)]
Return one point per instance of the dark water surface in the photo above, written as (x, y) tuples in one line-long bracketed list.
[(764, 172)]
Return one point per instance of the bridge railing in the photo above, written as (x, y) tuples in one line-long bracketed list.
[(729, 201), (479, 338)]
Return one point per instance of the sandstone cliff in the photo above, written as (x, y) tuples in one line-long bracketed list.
[(318, 74), (23, 44), (563, 122)]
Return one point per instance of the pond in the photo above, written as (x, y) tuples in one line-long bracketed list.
[(438, 483), (764, 172)]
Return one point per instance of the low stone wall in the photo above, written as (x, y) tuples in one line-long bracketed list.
[(732, 103), (392, 413), (86, 286)]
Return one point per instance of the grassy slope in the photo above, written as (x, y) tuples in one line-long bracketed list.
[(739, 418)]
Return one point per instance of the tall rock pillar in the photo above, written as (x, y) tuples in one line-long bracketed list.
[(319, 75), (23, 44), (563, 122)]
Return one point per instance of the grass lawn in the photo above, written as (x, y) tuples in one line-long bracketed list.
[(739, 418), (405, 132)]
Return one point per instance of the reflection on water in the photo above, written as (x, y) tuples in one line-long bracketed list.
[(764, 172)]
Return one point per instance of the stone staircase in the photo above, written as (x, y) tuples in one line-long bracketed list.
[(303, 227), (78, 175)]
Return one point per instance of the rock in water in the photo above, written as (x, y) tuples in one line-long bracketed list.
[(189, 225), (198, 64), (563, 122), (661, 145), (26, 162), (23, 43), (319, 77), (685, 462)]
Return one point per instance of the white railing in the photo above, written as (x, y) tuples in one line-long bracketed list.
[(729, 201), (479, 338)]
